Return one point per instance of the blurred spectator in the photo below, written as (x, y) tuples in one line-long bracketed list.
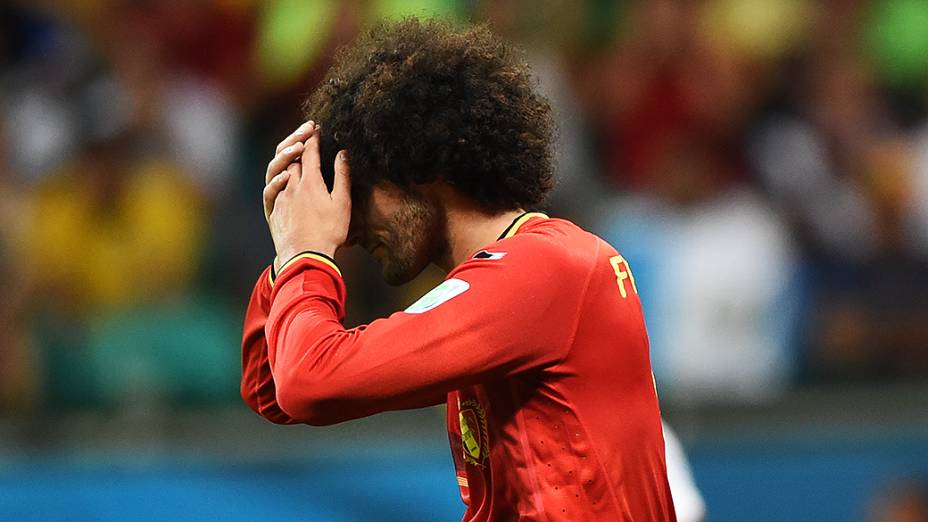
[(714, 262), (666, 82), (117, 226), (870, 320), (170, 104), (716, 271), (113, 228), (110, 231), (839, 164)]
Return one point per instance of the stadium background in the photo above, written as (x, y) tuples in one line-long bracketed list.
[(762, 164)]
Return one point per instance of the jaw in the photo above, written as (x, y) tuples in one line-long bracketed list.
[(398, 272), (415, 238)]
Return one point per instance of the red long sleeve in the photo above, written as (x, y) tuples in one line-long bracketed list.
[(500, 324)]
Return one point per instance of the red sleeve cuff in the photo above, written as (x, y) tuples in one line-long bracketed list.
[(319, 257), (315, 275)]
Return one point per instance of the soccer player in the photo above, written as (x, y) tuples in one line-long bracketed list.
[(535, 340)]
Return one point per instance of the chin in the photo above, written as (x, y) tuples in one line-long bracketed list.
[(396, 274), (397, 277)]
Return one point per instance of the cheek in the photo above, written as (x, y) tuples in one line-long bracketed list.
[(410, 233), (398, 238), (383, 203)]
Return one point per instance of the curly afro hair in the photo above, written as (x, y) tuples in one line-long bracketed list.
[(419, 101)]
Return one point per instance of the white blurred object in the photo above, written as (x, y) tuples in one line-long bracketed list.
[(202, 130), (715, 281), (727, 277), (40, 132), (918, 216), (687, 501)]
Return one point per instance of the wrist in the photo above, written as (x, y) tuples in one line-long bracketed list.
[(285, 256), (281, 266)]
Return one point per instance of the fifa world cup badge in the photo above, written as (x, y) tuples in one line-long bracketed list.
[(474, 434)]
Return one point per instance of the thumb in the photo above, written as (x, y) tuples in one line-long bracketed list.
[(341, 186)]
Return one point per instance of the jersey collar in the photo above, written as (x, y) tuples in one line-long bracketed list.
[(518, 222)]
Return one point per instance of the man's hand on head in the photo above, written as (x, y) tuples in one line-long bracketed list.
[(301, 212), (288, 152)]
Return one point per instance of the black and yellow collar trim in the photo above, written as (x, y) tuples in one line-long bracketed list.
[(518, 222), (318, 256)]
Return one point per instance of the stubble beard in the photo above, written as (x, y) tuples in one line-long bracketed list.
[(415, 240)]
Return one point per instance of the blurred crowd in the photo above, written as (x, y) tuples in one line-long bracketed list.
[(762, 165)]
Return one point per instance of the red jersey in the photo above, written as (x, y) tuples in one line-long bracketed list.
[(538, 345)]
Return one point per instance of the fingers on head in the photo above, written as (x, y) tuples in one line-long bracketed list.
[(277, 184), (294, 172), (283, 158), (311, 150), (300, 134), (280, 180), (270, 194), (342, 183)]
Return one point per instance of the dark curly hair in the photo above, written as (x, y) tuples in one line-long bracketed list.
[(418, 101)]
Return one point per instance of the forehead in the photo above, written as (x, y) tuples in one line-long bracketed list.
[(377, 203)]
